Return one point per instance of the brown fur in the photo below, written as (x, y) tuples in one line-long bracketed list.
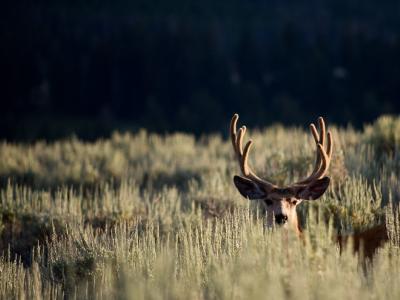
[(366, 242)]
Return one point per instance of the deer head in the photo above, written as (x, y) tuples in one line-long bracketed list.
[(281, 202)]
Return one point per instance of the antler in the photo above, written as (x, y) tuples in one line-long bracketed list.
[(243, 155), (322, 162), (323, 156)]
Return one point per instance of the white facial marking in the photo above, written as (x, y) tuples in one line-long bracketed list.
[(280, 211)]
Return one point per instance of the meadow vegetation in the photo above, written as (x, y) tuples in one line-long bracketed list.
[(145, 216)]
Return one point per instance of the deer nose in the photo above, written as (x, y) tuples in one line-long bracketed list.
[(281, 219)]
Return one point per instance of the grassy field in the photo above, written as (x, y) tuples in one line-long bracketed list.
[(157, 217)]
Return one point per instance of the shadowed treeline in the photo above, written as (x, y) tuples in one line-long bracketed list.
[(89, 67)]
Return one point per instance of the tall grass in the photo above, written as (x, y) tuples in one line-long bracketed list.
[(157, 217)]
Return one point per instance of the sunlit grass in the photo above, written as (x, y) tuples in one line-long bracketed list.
[(157, 217)]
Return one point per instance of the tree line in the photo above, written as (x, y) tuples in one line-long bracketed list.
[(89, 67)]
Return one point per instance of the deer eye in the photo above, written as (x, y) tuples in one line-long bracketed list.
[(268, 202), (294, 202)]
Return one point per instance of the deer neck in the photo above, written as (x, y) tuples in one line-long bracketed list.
[(293, 223)]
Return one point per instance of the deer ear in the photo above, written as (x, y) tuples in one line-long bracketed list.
[(314, 190), (248, 188)]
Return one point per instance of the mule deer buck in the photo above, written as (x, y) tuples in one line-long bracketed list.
[(281, 202)]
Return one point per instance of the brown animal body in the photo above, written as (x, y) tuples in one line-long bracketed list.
[(366, 242), (281, 202)]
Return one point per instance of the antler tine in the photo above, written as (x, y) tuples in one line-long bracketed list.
[(245, 163), (328, 156), (329, 147), (321, 124), (324, 163), (243, 154), (323, 157), (316, 139), (233, 131), (319, 139), (239, 141)]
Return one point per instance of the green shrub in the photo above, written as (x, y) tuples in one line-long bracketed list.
[(384, 134), (147, 216)]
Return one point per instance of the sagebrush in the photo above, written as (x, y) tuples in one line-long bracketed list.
[(144, 216)]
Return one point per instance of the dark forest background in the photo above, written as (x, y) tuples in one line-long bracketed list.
[(89, 67)]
